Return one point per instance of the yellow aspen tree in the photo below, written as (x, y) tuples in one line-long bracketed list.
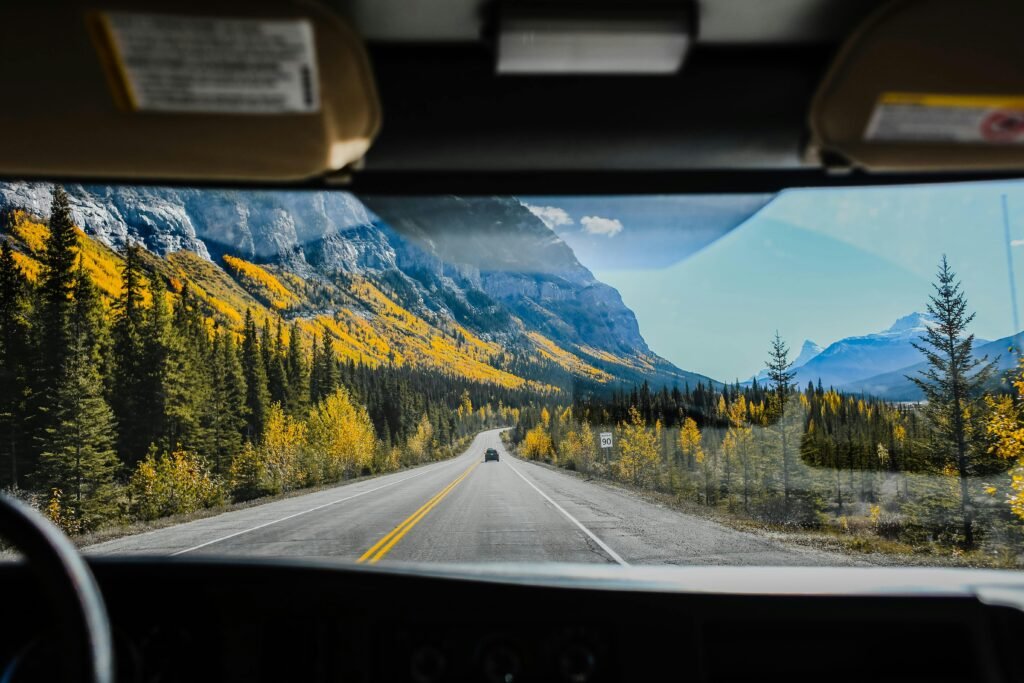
[(638, 449), (690, 442), (419, 444), (537, 444), (738, 443), (280, 449), (341, 438), (577, 448), (1005, 427)]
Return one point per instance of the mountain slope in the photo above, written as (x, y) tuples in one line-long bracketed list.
[(499, 247), (510, 306)]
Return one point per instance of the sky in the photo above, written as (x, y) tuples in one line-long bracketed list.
[(712, 278)]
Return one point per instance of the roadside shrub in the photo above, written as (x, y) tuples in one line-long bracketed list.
[(172, 483), (61, 515), (247, 474)]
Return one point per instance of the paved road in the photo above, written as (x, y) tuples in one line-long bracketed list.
[(467, 510)]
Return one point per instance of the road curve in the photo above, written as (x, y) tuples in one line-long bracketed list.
[(467, 510)]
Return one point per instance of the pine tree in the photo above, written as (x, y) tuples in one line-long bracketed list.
[(277, 378), (13, 366), (227, 402), (77, 449), (126, 381), (314, 374), (297, 374), (324, 379), (53, 313), (257, 397), (188, 383), (953, 383), (151, 421), (781, 375)]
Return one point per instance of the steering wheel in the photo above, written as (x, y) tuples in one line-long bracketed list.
[(84, 629)]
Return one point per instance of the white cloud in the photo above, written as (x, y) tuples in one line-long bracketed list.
[(552, 216), (596, 225), (1017, 243)]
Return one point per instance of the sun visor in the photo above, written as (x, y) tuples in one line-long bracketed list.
[(208, 91), (927, 85)]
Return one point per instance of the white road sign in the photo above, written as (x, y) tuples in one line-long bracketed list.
[(606, 439)]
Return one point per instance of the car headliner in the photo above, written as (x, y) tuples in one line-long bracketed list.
[(731, 22)]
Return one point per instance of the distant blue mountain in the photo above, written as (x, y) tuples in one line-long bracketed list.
[(808, 352), (895, 386), (856, 358)]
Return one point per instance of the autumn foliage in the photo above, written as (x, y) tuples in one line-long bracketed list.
[(137, 386)]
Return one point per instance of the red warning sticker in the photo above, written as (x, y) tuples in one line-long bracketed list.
[(929, 117)]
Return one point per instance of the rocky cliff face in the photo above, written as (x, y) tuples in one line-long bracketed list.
[(497, 245), (487, 263)]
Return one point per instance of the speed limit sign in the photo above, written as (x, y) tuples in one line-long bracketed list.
[(606, 439)]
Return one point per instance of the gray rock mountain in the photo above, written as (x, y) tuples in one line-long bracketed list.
[(487, 263)]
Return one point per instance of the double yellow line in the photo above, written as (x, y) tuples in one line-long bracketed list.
[(384, 545)]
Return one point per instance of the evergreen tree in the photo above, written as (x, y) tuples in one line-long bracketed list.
[(297, 374), (126, 381), (781, 375), (277, 377), (324, 378), (257, 397), (13, 366), (77, 449), (227, 404), (188, 382), (53, 313), (151, 421), (953, 383)]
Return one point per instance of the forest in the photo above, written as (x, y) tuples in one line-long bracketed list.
[(124, 395), (943, 476)]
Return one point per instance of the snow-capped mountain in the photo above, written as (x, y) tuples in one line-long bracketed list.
[(855, 358), (808, 352), (895, 385)]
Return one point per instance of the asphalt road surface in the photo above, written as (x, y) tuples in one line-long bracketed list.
[(468, 510)]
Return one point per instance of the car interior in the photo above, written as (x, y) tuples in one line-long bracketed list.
[(489, 98)]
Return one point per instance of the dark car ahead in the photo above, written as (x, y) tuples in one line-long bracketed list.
[(490, 454)]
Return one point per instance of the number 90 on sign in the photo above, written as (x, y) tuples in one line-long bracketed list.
[(606, 439)]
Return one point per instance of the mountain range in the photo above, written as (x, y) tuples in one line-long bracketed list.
[(879, 363), (474, 286)]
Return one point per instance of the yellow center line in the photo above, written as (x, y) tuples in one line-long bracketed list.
[(384, 545)]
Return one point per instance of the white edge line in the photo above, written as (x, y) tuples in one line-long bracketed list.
[(297, 514), (604, 546)]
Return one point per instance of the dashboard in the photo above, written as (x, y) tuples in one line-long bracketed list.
[(201, 620)]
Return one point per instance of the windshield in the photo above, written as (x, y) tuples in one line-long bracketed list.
[(823, 376)]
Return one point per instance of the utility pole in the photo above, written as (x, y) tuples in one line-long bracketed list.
[(1009, 268)]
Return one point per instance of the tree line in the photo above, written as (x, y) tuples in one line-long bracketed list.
[(945, 472), (145, 405)]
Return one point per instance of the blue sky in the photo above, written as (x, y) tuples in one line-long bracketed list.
[(711, 278)]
